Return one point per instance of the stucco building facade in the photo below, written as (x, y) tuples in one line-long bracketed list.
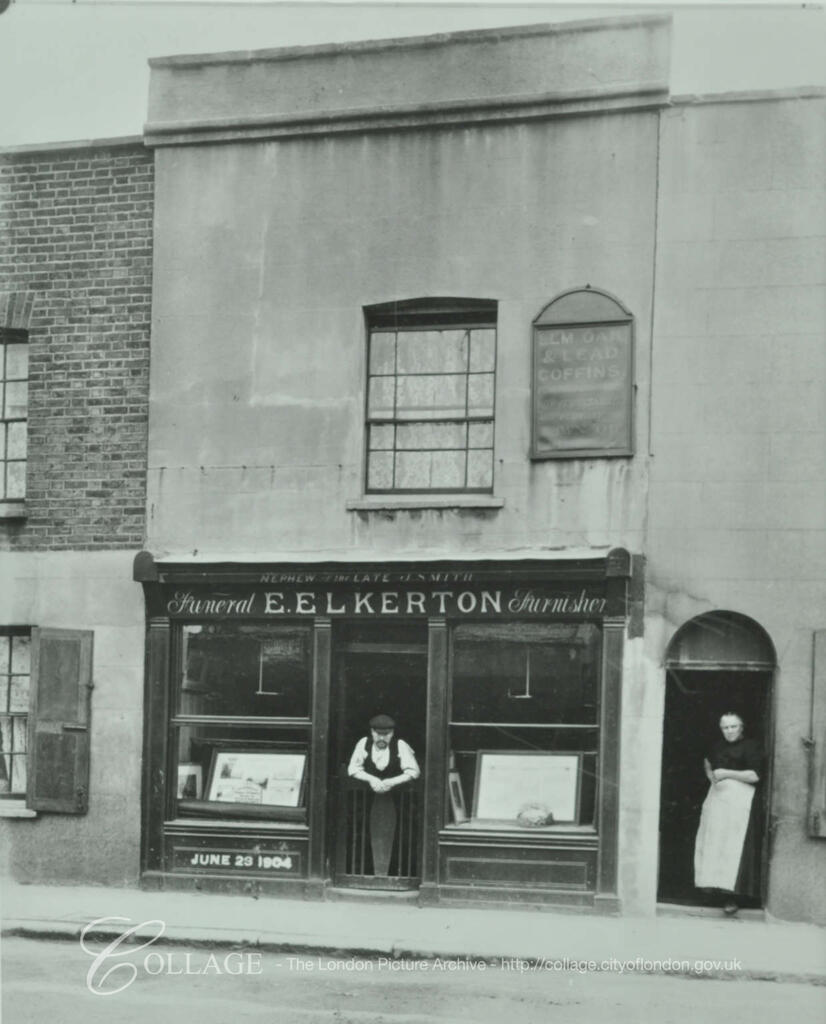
[(486, 391)]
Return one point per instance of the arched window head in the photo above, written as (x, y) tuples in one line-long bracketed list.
[(583, 377), (583, 306)]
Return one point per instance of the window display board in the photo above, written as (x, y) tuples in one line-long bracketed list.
[(518, 785), (253, 777)]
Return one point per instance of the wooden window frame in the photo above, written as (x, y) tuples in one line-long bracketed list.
[(436, 315), (591, 731), (299, 728), (8, 633), (11, 336)]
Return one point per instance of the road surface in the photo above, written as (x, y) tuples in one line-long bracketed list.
[(51, 981)]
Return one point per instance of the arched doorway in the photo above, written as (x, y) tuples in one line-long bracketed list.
[(717, 662)]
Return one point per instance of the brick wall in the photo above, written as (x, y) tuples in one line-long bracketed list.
[(76, 246)]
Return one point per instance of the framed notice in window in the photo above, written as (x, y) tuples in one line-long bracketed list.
[(457, 797), (190, 781), (507, 781), (269, 779)]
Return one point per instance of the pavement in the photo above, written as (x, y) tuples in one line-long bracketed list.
[(748, 946)]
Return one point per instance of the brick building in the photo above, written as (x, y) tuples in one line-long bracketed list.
[(487, 391), (75, 296)]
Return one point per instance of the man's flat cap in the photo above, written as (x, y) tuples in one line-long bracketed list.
[(382, 722)]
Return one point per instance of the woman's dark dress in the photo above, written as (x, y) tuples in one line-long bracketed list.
[(741, 756)]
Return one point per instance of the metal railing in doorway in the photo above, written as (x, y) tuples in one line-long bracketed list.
[(378, 835)]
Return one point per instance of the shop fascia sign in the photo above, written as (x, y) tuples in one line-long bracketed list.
[(284, 600)]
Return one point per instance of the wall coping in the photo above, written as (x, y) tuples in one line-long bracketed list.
[(116, 142), (371, 46), (796, 92)]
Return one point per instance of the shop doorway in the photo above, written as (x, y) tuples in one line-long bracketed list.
[(716, 663), (378, 669)]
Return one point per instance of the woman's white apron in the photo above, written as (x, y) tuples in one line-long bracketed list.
[(722, 832)]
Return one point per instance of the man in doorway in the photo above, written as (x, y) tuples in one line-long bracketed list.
[(381, 759)]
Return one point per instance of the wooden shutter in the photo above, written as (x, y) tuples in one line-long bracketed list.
[(61, 686), (817, 749)]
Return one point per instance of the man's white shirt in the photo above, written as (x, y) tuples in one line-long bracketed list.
[(380, 758)]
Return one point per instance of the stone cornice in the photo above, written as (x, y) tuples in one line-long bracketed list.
[(447, 114)]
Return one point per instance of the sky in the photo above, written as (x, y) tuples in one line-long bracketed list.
[(77, 69)]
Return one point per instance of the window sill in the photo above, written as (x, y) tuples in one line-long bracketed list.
[(508, 829), (16, 809), (236, 824), (394, 502), (12, 509)]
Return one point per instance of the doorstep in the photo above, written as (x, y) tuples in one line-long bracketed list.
[(391, 897), (683, 910)]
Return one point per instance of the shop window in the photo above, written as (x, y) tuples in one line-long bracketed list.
[(524, 726), (45, 687), (583, 377), (14, 404), (431, 374), (242, 719)]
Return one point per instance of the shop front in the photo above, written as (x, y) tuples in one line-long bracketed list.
[(504, 677)]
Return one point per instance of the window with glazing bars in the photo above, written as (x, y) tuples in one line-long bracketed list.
[(15, 646), (430, 396), (14, 373)]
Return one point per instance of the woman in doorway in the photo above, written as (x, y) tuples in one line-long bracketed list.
[(724, 851)]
